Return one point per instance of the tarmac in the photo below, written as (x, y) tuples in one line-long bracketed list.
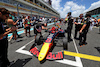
[(76, 56)]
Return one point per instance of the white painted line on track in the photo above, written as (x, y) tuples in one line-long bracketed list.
[(20, 50), (77, 63), (23, 51), (75, 44), (78, 59), (69, 62)]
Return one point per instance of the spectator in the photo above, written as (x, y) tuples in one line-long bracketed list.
[(4, 14), (27, 25), (92, 23), (10, 24)]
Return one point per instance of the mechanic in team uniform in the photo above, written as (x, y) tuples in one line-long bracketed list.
[(78, 25), (38, 27), (4, 14), (70, 26), (84, 30)]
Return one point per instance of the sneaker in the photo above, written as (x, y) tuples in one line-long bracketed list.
[(76, 38), (70, 40), (80, 44), (84, 43), (9, 40)]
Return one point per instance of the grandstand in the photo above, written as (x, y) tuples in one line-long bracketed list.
[(30, 7), (95, 12)]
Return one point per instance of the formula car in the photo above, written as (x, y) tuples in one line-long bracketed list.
[(54, 35)]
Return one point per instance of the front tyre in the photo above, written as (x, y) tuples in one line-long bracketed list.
[(38, 39), (65, 44)]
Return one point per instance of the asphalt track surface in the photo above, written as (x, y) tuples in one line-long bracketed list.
[(76, 56)]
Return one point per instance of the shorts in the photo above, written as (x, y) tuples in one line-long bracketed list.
[(36, 32), (14, 32)]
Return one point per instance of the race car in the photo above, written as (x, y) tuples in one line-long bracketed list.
[(54, 35)]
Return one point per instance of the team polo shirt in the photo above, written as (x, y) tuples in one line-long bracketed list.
[(87, 22)]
